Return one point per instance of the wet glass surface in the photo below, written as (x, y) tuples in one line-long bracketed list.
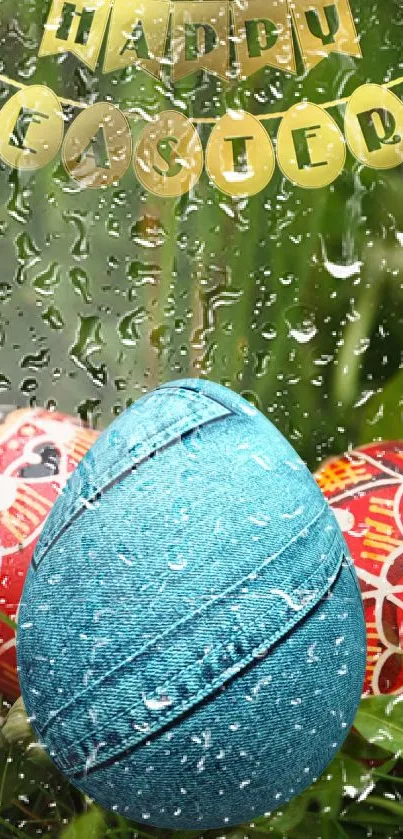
[(292, 297)]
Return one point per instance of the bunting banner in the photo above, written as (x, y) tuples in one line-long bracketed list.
[(191, 35), (99, 139)]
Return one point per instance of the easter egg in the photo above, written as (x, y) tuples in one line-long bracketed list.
[(38, 451), (365, 489), (191, 642)]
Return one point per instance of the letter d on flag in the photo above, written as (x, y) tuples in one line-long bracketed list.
[(77, 27)]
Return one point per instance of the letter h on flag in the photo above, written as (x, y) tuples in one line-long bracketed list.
[(77, 27)]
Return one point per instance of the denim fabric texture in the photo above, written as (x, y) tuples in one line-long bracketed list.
[(191, 643)]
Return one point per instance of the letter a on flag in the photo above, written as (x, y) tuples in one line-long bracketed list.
[(324, 26), (77, 27), (137, 35)]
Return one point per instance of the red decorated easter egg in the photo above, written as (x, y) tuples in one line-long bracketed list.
[(38, 452), (365, 489)]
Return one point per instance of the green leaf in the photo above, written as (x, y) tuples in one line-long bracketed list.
[(16, 728), (361, 750), (338, 831), (375, 810), (383, 416), (287, 817), (90, 825), (327, 791), (10, 762), (314, 826), (332, 829), (380, 720), (356, 777), (310, 826), (8, 621), (10, 830), (239, 833), (366, 815), (387, 767), (354, 832), (395, 807)]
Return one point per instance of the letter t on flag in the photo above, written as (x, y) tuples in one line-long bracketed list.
[(77, 27), (324, 26)]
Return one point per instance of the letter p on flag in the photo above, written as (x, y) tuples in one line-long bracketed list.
[(78, 27), (322, 27)]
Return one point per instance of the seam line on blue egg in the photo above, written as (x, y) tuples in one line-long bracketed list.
[(323, 581), (178, 386), (186, 707), (349, 563), (166, 437), (216, 599), (213, 600)]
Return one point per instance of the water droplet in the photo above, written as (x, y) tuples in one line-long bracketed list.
[(157, 703)]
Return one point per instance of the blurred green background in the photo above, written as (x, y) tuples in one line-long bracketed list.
[(292, 297)]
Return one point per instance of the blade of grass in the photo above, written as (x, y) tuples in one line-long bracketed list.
[(13, 831), (3, 778), (8, 621)]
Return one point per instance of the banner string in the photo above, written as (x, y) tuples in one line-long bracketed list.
[(199, 120)]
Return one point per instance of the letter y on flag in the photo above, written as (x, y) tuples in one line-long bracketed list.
[(324, 26)]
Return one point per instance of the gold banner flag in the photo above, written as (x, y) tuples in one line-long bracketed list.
[(324, 27), (137, 35), (201, 31), (77, 27), (200, 38), (263, 36)]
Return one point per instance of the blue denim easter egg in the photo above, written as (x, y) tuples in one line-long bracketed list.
[(191, 642)]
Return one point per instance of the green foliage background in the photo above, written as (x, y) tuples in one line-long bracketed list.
[(293, 298)]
